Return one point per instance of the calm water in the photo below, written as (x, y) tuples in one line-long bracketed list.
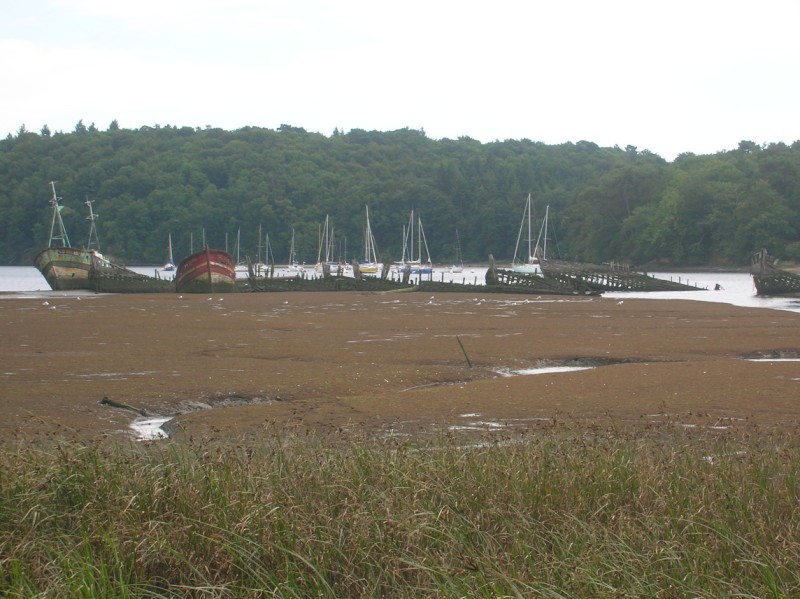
[(736, 288)]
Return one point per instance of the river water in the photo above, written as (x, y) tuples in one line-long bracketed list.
[(735, 288)]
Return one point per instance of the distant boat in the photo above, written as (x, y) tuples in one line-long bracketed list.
[(458, 265), (259, 269), (415, 235), (530, 264), (206, 271), (293, 268), (242, 270), (170, 265), (369, 264), (326, 265), (63, 266)]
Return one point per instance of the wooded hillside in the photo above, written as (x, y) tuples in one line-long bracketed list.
[(605, 203)]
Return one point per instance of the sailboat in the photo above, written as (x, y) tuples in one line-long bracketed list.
[(325, 251), (293, 268), (260, 268), (242, 272), (170, 264), (458, 265), (411, 260), (530, 264), (369, 264)]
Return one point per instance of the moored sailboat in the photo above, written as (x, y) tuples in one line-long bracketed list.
[(458, 265), (369, 264), (293, 267), (530, 264), (412, 261), (169, 265)]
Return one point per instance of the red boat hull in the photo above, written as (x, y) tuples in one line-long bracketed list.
[(206, 271)]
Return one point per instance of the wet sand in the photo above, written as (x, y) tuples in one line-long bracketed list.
[(234, 366)]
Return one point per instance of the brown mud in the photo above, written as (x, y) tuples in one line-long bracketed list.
[(232, 366)]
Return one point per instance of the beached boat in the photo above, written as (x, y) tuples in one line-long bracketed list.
[(107, 277), (530, 264), (206, 271), (771, 280), (63, 266), (610, 276)]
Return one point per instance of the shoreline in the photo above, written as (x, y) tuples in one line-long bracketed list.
[(403, 364)]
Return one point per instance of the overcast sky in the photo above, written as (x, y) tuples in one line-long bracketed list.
[(670, 77)]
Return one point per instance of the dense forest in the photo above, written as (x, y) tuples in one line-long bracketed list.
[(210, 185)]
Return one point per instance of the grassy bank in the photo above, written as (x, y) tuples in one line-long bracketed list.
[(562, 514)]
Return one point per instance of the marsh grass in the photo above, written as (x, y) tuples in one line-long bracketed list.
[(563, 513)]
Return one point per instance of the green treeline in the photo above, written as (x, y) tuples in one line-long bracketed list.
[(210, 184)]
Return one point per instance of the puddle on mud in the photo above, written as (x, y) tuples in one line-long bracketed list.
[(557, 366), (549, 369), (147, 429), (780, 355), (773, 359)]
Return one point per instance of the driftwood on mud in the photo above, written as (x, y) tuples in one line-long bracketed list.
[(122, 406)]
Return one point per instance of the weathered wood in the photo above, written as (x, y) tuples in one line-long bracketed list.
[(607, 278), (771, 280)]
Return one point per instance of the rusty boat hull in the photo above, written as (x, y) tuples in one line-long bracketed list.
[(206, 271), (65, 268)]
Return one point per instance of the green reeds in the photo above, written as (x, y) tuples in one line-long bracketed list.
[(558, 514)]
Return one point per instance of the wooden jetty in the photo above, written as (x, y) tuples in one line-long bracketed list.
[(771, 280)]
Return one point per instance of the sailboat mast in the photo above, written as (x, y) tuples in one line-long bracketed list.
[(419, 239), (259, 246), (530, 252), (238, 239), (544, 231)]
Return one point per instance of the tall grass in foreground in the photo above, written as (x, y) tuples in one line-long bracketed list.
[(553, 516)]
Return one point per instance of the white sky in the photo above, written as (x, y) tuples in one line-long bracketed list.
[(670, 77)]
